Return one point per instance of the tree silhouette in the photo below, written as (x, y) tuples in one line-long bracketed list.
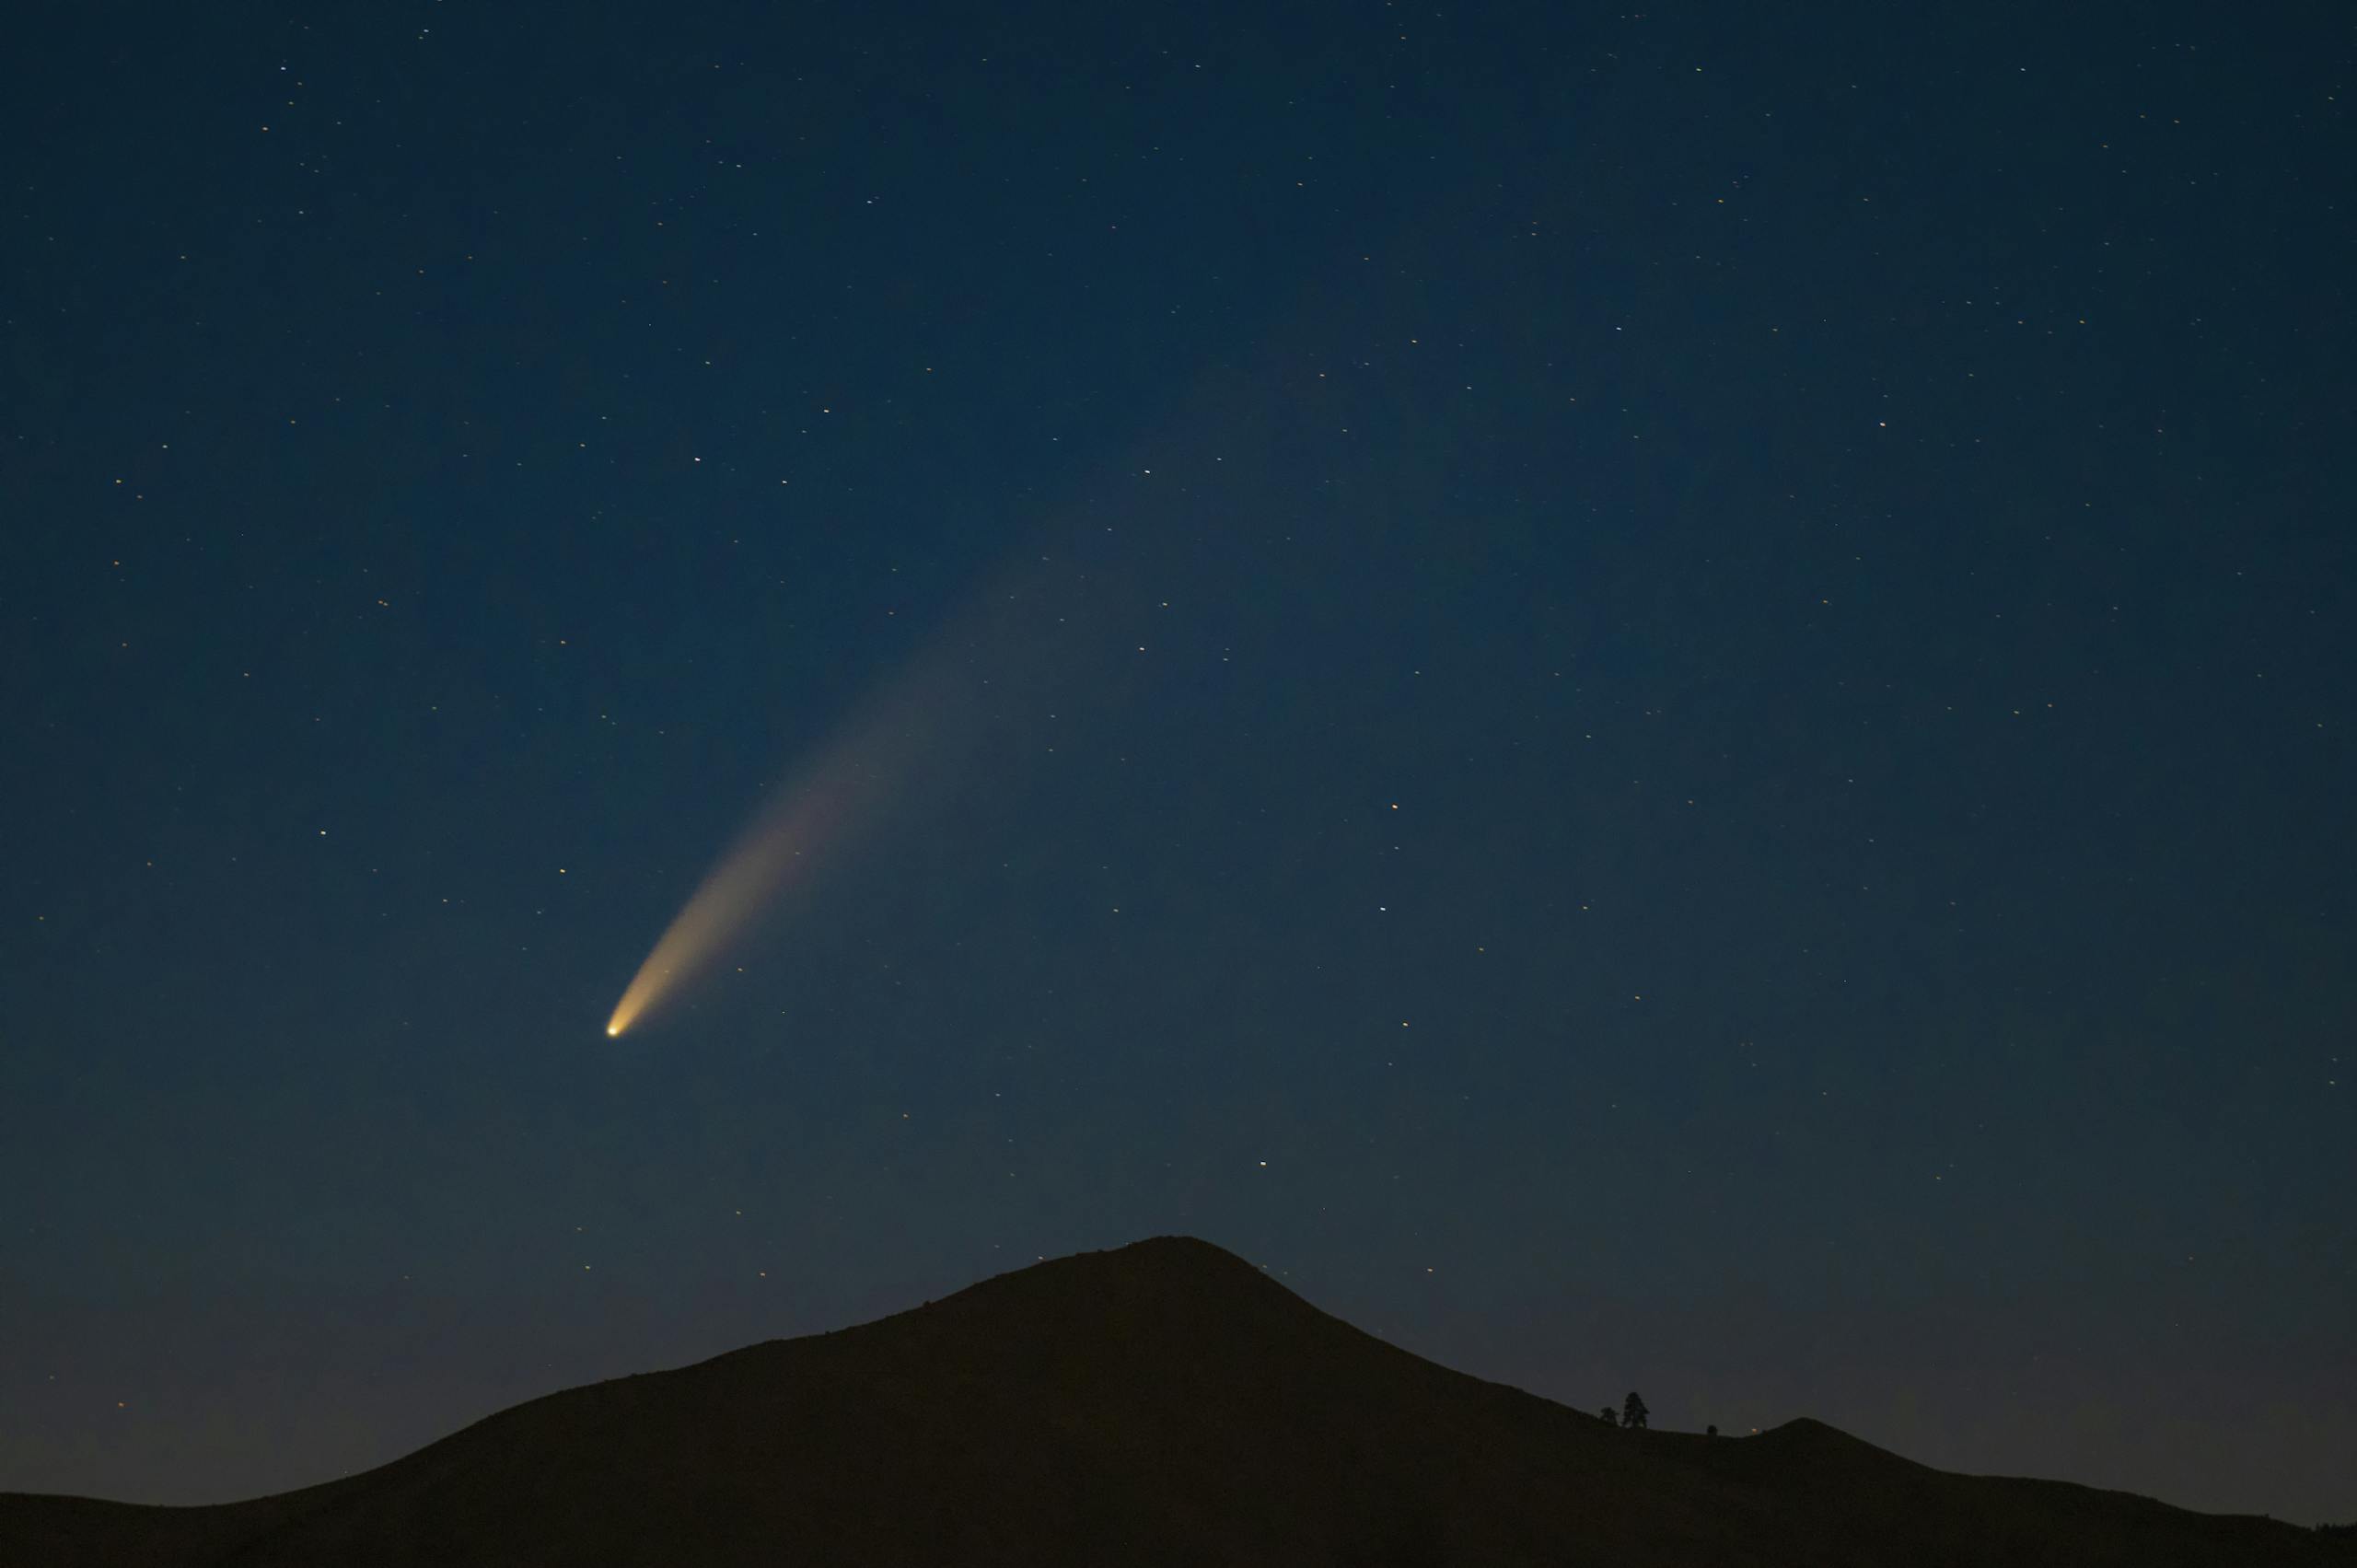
[(1611, 1417), (1632, 1410), (1709, 1432)]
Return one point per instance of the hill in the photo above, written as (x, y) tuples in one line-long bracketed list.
[(1164, 1403)]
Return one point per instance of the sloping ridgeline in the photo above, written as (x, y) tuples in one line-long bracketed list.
[(1161, 1403)]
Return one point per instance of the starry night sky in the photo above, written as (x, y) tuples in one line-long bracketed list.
[(1655, 701)]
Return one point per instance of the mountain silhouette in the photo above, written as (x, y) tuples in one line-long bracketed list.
[(1164, 1403)]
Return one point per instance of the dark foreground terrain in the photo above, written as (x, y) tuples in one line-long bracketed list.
[(1162, 1403)]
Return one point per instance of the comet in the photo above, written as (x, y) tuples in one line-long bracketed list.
[(747, 879), (1014, 643), (912, 732), (813, 819)]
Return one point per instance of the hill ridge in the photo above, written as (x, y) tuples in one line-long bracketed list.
[(1165, 1401)]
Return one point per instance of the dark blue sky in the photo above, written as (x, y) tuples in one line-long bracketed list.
[(1654, 700)]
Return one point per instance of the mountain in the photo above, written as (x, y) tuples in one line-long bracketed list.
[(1164, 1403)]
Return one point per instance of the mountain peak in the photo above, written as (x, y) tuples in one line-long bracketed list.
[(1164, 1403)]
